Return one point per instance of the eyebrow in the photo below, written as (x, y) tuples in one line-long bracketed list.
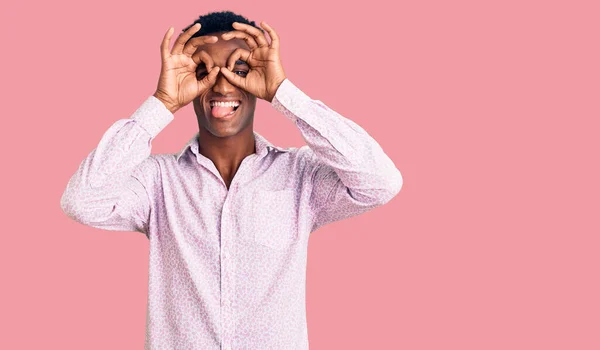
[(202, 65)]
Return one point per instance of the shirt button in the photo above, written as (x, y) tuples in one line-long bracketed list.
[(228, 348)]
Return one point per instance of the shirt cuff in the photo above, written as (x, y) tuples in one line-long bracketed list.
[(289, 98), (153, 116)]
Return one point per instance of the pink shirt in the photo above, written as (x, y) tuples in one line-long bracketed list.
[(228, 267)]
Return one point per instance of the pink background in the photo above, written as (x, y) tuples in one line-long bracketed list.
[(489, 109)]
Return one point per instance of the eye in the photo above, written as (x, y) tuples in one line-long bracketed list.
[(242, 73)]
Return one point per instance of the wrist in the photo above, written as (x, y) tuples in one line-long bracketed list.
[(170, 106), (275, 88)]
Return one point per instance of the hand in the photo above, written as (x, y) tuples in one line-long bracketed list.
[(266, 72), (178, 85)]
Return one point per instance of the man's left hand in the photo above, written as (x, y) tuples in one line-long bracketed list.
[(266, 72)]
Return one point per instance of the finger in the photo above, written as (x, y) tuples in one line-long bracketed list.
[(203, 57), (250, 41), (237, 54), (272, 34), (183, 38), (209, 80), (255, 32), (234, 78), (164, 45), (192, 45)]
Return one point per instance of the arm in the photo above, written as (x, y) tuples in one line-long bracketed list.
[(351, 173), (109, 190)]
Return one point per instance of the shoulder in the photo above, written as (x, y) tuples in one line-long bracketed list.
[(306, 158), (296, 163), (147, 169), (156, 166), (298, 157)]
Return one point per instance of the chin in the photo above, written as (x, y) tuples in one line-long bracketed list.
[(223, 130)]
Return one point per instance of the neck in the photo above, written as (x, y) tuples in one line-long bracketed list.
[(227, 153)]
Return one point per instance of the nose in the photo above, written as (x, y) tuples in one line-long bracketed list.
[(223, 86)]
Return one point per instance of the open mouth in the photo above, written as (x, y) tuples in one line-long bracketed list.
[(221, 110)]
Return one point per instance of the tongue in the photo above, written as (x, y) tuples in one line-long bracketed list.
[(220, 112)]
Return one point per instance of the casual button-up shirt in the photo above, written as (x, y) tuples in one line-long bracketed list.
[(227, 266)]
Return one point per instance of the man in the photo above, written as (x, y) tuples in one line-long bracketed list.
[(228, 218)]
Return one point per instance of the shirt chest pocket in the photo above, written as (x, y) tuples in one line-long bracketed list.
[(273, 218)]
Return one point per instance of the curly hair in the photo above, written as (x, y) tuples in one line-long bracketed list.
[(222, 21)]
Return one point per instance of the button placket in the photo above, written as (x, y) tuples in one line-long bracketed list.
[(228, 236)]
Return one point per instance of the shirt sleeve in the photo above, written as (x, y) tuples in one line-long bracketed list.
[(351, 172), (110, 189)]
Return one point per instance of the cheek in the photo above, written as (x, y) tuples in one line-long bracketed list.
[(249, 107), (199, 101), (198, 106)]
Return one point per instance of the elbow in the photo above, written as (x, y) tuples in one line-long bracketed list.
[(389, 185), (78, 209), (394, 184), (66, 204), (71, 206), (397, 182)]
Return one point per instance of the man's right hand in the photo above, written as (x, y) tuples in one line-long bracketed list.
[(178, 85)]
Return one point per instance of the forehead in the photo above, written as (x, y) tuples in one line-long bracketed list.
[(222, 49)]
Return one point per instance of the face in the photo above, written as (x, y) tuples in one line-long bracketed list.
[(244, 114)]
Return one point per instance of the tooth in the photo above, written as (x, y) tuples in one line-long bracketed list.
[(224, 104)]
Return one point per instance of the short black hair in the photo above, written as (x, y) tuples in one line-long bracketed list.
[(222, 21)]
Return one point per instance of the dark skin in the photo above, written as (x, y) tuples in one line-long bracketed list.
[(240, 65), (225, 141)]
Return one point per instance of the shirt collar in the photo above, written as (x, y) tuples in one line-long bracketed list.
[(263, 146)]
